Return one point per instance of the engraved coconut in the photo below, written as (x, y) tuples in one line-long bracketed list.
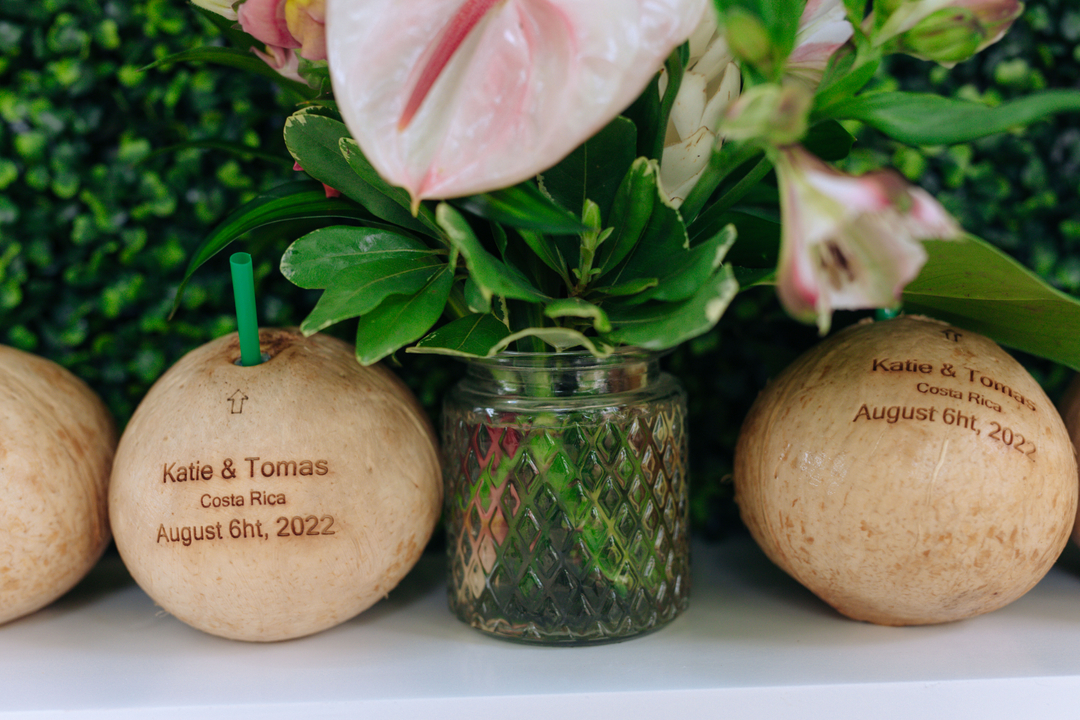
[(56, 448), (270, 502), (907, 472)]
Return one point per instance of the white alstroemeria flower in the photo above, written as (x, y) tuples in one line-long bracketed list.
[(710, 83), (849, 242), (224, 8), (454, 97)]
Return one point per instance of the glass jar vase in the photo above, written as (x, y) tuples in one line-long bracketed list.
[(567, 509)]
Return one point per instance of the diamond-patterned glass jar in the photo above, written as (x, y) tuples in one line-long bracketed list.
[(566, 496)]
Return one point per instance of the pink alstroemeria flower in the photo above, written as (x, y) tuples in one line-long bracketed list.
[(287, 24), (849, 242), (454, 97), (823, 29), (285, 61)]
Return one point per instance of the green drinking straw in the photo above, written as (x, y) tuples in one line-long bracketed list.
[(246, 320)]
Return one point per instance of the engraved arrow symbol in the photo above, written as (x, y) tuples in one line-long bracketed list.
[(237, 399)]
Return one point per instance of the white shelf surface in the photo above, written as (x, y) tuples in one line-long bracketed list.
[(754, 644)]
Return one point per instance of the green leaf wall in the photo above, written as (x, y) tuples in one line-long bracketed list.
[(110, 176)]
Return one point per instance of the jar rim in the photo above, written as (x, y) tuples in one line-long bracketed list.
[(579, 358)]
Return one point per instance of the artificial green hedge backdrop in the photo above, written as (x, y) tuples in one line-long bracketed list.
[(110, 175)]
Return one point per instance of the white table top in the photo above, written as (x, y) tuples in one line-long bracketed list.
[(754, 644)]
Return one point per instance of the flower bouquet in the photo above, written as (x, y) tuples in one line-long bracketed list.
[(514, 178), (549, 176)]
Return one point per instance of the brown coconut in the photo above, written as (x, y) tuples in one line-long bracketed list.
[(271, 502), (56, 448), (907, 472), (1070, 413)]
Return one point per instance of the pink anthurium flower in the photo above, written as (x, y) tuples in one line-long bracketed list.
[(454, 97), (849, 242), (823, 29)]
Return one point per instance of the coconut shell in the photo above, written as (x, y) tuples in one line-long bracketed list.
[(907, 472), (270, 502), (1070, 413), (56, 448)]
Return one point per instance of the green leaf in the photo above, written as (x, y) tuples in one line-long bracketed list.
[(759, 237), (923, 119), (632, 287), (593, 171), (474, 335), (398, 196), (632, 208), (313, 260), (829, 141), (576, 307), (475, 299), (845, 75), (359, 289), (315, 143), (493, 276), (233, 148), (657, 250), (522, 206), (976, 286), (288, 202), (545, 249), (658, 326), (691, 269), (236, 58), (402, 319), (558, 338)]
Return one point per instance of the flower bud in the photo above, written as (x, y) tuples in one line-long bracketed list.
[(224, 8), (945, 31), (776, 114)]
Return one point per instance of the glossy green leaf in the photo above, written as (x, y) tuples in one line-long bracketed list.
[(522, 206), (388, 193), (285, 203), (593, 171), (924, 119), (546, 249), (658, 326), (475, 299), (976, 286), (474, 335), (576, 307), (236, 58), (659, 247), (559, 338), (691, 269), (633, 206), (359, 289), (315, 143), (402, 319), (313, 260), (493, 276)]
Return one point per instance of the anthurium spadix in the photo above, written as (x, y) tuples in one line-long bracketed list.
[(456, 97)]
